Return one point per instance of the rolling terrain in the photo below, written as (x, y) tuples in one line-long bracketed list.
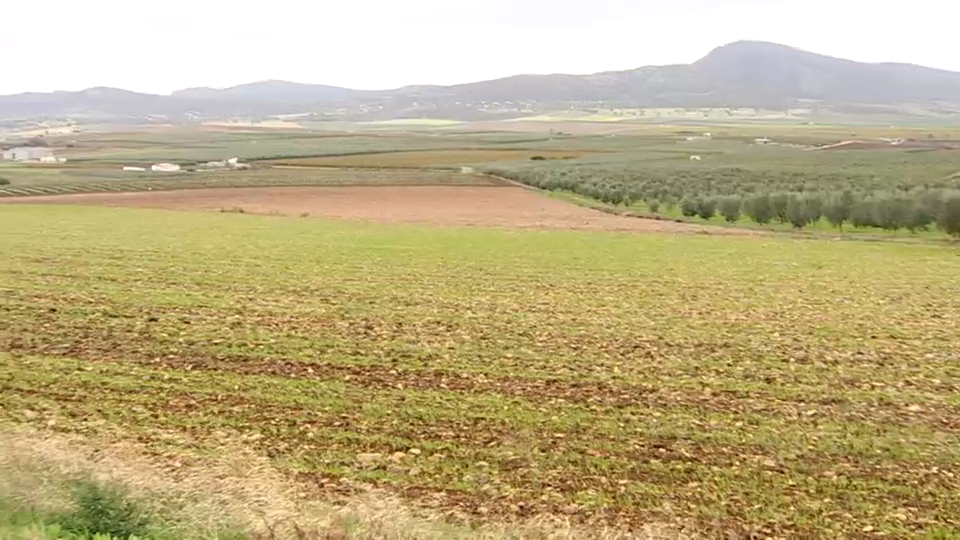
[(743, 74)]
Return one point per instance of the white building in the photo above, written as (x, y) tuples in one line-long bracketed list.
[(27, 153), (165, 167)]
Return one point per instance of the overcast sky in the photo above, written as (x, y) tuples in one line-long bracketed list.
[(375, 44)]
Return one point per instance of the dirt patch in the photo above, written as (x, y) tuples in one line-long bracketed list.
[(857, 145), (440, 205)]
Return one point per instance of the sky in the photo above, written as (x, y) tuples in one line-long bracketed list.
[(159, 47)]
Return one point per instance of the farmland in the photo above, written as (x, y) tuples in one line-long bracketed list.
[(355, 312), (113, 181), (748, 385), (429, 158), (464, 205), (876, 180)]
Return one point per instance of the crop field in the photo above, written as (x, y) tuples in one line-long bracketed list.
[(46, 182), (187, 146), (479, 205), (431, 158), (761, 386)]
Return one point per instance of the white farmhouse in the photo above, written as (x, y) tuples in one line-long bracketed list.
[(27, 153), (165, 167)]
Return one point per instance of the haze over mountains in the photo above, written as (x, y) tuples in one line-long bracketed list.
[(741, 74)]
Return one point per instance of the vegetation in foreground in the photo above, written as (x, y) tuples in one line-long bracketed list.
[(56, 487), (753, 386)]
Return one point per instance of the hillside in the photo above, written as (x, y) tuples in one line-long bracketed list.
[(272, 92), (742, 74)]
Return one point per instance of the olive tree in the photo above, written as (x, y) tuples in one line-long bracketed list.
[(689, 207), (707, 208), (949, 218), (759, 209), (797, 212), (778, 204), (730, 208), (863, 214), (837, 209)]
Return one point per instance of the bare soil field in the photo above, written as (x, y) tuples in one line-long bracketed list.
[(440, 205), (566, 126)]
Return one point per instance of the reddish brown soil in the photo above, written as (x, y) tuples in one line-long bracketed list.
[(460, 205)]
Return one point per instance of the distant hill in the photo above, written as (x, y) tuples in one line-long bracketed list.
[(756, 72), (742, 74), (272, 92)]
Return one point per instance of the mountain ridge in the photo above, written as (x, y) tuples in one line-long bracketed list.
[(739, 74)]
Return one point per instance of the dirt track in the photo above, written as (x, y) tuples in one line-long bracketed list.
[(480, 206)]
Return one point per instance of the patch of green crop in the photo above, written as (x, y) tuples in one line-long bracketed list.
[(797, 387)]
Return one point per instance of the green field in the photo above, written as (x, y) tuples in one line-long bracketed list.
[(879, 188), (768, 386), (89, 181)]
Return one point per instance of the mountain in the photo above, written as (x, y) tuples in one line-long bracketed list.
[(744, 73), (272, 92), (757, 71), (741, 74)]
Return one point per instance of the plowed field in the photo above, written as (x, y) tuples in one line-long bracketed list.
[(439, 205)]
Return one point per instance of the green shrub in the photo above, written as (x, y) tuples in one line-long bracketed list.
[(4, 182), (105, 510)]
